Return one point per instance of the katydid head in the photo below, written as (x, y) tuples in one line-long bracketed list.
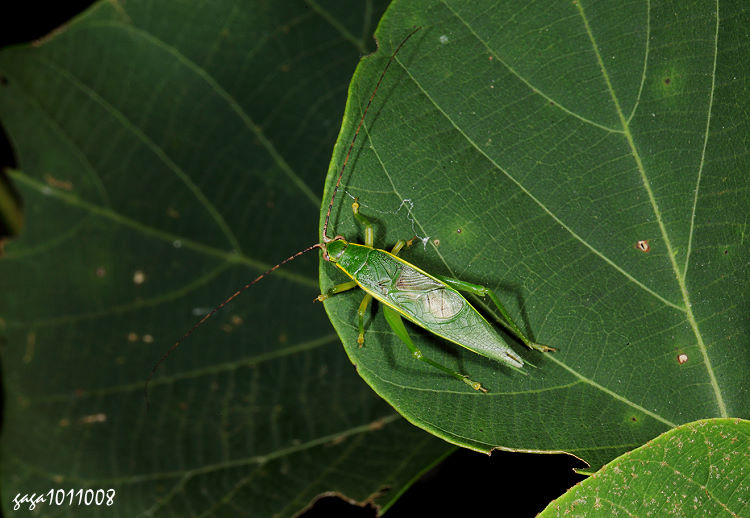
[(334, 249), (327, 241)]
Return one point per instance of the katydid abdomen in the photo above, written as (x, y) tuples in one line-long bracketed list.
[(431, 302), (424, 300)]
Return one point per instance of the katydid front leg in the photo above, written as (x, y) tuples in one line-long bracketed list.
[(361, 311), (345, 286), (369, 231), (338, 288), (480, 290)]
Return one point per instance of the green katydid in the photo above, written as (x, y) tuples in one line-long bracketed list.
[(432, 302)]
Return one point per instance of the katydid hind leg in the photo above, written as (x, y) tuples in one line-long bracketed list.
[(397, 324), (478, 289)]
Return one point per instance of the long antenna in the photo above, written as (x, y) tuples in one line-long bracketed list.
[(216, 309), (327, 239)]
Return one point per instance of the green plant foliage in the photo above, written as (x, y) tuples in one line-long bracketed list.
[(697, 469), (588, 163), (169, 152)]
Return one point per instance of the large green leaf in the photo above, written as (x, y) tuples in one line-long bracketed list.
[(533, 150), (185, 144), (170, 151), (697, 469)]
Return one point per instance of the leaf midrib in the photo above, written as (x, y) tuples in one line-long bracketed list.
[(679, 274), (116, 217)]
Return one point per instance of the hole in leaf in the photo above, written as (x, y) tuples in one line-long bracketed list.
[(335, 505)]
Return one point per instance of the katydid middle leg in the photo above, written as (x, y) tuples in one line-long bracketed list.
[(400, 244), (361, 318), (361, 311), (338, 288), (480, 290), (369, 241)]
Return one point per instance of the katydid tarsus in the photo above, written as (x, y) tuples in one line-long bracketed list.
[(433, 302)]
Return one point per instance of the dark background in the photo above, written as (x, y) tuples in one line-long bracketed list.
[(465, 484)]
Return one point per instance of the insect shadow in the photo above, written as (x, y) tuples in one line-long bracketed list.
[(459, 355)]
